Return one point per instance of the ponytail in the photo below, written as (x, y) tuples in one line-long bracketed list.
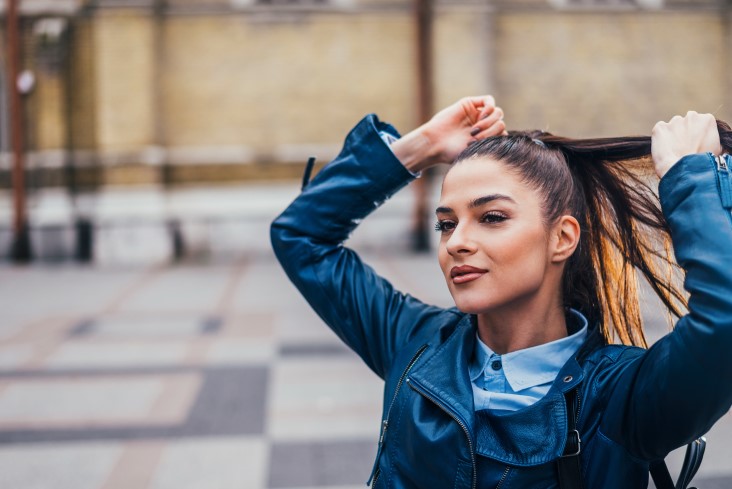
[(608, 185)]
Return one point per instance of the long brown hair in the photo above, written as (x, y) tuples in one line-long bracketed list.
[(607, 185)]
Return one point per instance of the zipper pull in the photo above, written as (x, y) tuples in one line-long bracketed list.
[(721, 163), (725, 185), (384, 426)]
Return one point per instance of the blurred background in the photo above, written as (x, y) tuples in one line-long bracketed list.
[(147, 335)]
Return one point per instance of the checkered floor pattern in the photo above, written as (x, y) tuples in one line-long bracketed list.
[(209, 376)]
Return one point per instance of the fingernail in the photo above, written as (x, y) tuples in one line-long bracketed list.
[(475, 131)]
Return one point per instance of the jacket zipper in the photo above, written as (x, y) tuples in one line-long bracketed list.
[(376, 476), (385, 421), (457, 420), (723, 179), (503, 477)]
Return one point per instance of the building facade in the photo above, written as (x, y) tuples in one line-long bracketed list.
[(135, 91)]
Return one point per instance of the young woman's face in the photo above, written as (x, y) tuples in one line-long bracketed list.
[(494, 246)]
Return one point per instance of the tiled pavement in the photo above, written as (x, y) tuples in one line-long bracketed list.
[(194, 376)]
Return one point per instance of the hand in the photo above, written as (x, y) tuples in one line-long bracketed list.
[(449, 132), (465, 121), (681, 136)]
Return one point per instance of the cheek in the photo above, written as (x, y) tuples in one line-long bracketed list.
[(526, 250), (442, 257)]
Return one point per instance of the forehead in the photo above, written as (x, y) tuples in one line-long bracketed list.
[(476, 177)]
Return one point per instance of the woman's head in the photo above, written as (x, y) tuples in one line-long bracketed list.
[(596, 221), (540, 167), (507, 224)]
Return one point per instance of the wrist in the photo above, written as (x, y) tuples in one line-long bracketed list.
[(662, 168), (416, 150)]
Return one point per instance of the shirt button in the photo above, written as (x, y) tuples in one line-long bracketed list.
[(496, 365)]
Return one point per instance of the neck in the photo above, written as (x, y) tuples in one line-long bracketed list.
[(518, 326)]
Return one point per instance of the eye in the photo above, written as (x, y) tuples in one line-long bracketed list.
[(444, 226), (493, 217)]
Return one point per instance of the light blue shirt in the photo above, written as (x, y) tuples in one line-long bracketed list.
[(518, 379)]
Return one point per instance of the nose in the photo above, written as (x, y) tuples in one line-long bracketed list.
[(460, 241)]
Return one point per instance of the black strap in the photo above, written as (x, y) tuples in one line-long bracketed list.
[(570, 470), (308, 172), (692, 462), (661, 476), (568, 465)]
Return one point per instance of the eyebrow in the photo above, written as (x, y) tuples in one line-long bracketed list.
[(480, 201)]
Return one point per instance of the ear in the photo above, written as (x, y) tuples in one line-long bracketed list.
[(564, 239)]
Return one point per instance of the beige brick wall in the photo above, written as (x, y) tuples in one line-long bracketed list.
[(246, 86), (233, 81), (123, 77), (83, 100), (585, 75), (462, 55), (50, 112)]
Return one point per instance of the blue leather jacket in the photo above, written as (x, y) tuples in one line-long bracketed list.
[(635, 405)]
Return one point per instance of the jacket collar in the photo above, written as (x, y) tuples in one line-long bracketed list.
[(442, 372), (532, 366)]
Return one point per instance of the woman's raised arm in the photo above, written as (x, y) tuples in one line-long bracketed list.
[(448, 133), (364, 310), (677, 390)]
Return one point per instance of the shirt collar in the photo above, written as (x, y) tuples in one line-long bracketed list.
[(531, 366)]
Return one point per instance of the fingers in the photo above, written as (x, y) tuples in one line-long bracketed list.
[(481, 101), (697, 132), (491, 124), (488, 106), (478, 107), (691, 134), (692, 119)]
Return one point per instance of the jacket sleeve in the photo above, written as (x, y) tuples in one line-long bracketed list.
[(682, 385), (363, 309)]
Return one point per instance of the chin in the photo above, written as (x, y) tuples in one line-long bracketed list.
[(469, 306)]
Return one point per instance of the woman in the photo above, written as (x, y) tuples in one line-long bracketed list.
[(518, 385)]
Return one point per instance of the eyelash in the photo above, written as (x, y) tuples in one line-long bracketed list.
[(440, 226), (491, 217)]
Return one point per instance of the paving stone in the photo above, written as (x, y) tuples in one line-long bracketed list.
[(77, 466), (317, 398), (186, 289), (136, 326), (223, 463), (91, 401), (85, 355), (238, 351), (13, 356), (320, 464), (231, 401), (318, 350)]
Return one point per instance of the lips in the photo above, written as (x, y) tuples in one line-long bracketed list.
[(466, 273)]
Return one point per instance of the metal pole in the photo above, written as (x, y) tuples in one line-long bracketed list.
[(83, 225), (173, 222), (21, 249), (423, 21), (425, 89)]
